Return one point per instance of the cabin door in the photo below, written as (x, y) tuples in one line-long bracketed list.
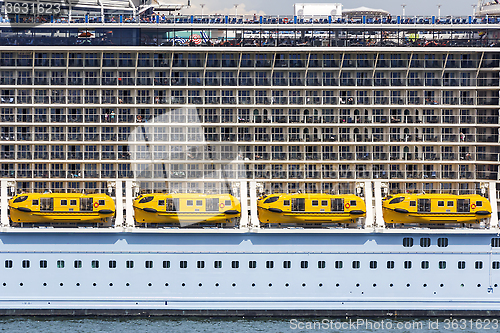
[(298, 204), (463, 205), (86, 204), (47, 204), (338, 205), (424, 205)]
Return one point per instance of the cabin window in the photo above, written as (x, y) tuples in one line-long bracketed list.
[(356, 264), (338, 205), (495, 265), (407, 242), (86, 204), (183, 264), (235, 264), (425, 242), (166, 263), (34, 202), (217, 264), (8, 263), (161, 202), (129, 264), (60, 264), (424, 265), (461, 265), (271, 199), (479, 204), (449, 203), (353, 203), (424, 205), (390, 264), (304, 264), (324, 203), (463, 205), (77, 264), (200, 264), (442, 265), (269, 264), (495, 242), (146, 199), (413, 203), (212, 205), (321, 264), (43, 263), (189, 202), (287, 264), (440, 203), (339, 264), (64, 202), (199, 203), (478, 265), (95, 264), (20, 199), (112, 264), (373, 264), (47, 204), (148, 264), (252, 264), (72, 202), (26, 264), (315, 203), (286, 202), (443, 242), (227, 203), (171, 205), (298, 204), (396, 200), (102, 202), (407, 264)]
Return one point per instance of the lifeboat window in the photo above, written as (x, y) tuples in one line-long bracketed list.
[(26, 264), (189, 202), (321, 264), (43, 263), (148, 264), (353, 203), (271, 200), (425, 242), (72, 202), (129, 264), (463, 205), (286, 202), (199, 202), (479, 204), (339, 264), (442, 265), (356, 264), (60, 264), (95, 264), (390, 264), (287, 264), (235, 264), (102, 202), (461, 265), (166, 263), (8, 263), (298, 204), (86, 204), (227, 203), (47, 204), (440, 203), (20, 199), (161, 202), (217, 264), (183, 264), (252, 264), (424, 265), (396, 200), (146, 199), (338, 205), (112, 264), (64, 202), (407, 264), (450, 203), (324, 203), (35, 202), (478, 265), (77, 264), (407, 242), (315, 203), (495, 265), (443, 242), (413, 203), (304, 264), (424, 205), (269, 264), (373, 264)]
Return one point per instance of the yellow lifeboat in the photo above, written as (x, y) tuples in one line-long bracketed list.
[(435, 208), (310, 208), (187, 208), (61, 208)]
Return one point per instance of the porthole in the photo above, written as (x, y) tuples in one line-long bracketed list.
[(253, 284), (391, 285), (425, 285), (337, 285), (303, 284), (183, 284), (441, 285), (78, 284), (217, 284), (45, 284), (374, 284), (479, 285), (94, 284), (270, 284), (407, 285), (495, 285), (321, 284), (287, 285), (4, 284), (127, 284), (150, 284), (166, 284), (462, 285), (199, 284), (22, 284), (61, 284), (111, 284), (234, 284), (357, 284)]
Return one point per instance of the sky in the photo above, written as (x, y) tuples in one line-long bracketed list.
[(285, 7)]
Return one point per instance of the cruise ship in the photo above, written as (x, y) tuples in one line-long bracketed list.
[(123, 99)]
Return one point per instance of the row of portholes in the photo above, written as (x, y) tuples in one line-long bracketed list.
[(253, 285)]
